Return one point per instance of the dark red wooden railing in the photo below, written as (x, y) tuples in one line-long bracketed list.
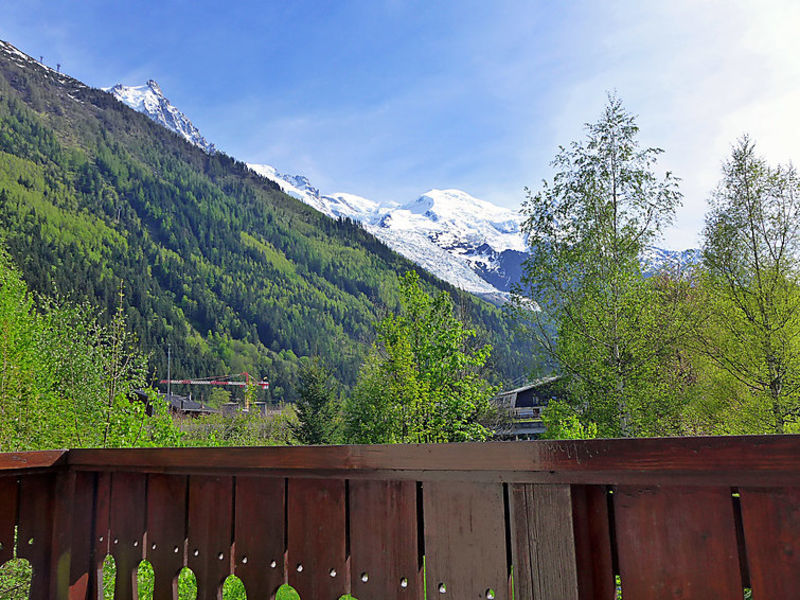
[(684, 518)]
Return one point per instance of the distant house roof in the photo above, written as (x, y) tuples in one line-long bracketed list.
[(185, 404), (536, 393), (179, 404)]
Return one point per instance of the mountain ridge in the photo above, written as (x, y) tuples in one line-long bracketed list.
[(212, 260), (150, 100), (469, 242)]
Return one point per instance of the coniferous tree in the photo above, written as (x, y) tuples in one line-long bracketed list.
[(317, 407)]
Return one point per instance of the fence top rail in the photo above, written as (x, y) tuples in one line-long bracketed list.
[(570, 459), (39, 459), (740, 460)]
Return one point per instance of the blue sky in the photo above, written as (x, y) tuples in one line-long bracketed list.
[(388, 99)]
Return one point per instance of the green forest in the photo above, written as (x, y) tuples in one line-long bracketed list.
[(119, 240), (97, 202)]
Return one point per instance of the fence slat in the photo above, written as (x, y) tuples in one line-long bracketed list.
[(8, 516), (81, 518), (677, 542), (35, 529), (317, 537), (166, 530), (210, 532), (102, 543), (465, 540), (771, 520), (63, 515), (259, 534), (384, 547), (72, 532), (127, 513), (592, 542), (543, 544)]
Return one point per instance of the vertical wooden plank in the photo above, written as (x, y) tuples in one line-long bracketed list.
[(9, 490), (210, 532), (677, 542), (35, 529), (166, 530), (259, 534), (384, 547), (593, 555), (543, 543), (81, 568), (524, 568), (102, 543), (771, 522), (64, 513), (465, 540), (127, 513), (317, 538)]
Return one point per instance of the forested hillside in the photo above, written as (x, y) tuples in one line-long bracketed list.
[(212, 259)]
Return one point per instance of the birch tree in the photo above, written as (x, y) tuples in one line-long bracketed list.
[(604, 325), (751, 255)]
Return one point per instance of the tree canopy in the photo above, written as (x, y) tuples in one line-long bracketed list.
[(423, 381), (317, 406), (751, 254), (603, 324)]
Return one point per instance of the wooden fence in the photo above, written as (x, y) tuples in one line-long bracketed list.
[(685, 518)]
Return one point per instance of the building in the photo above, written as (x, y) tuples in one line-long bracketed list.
[(524, 406), (181, 406)]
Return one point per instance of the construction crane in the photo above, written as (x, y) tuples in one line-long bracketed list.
[(221, 380)]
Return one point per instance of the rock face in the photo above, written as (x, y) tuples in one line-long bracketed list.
[(150, 100)]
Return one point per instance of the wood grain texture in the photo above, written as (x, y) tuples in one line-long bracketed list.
[(771, 521), (384, 547), (543, 545), (35, 529), (61, 541), (317, 537), (166, 530), (81, 520), (259, 525), (210, 532), (9, 490), (593, 554), (677, 542), (465, 540), (127, 513), (746, 460), (668, 531), (102, 544), (37, 459)]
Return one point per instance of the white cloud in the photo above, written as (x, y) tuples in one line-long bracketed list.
[(698, 74)]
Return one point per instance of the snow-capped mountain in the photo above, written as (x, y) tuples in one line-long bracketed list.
[(150, 100), (334, 205), (468, 242), (471, 243), (485, 238)]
